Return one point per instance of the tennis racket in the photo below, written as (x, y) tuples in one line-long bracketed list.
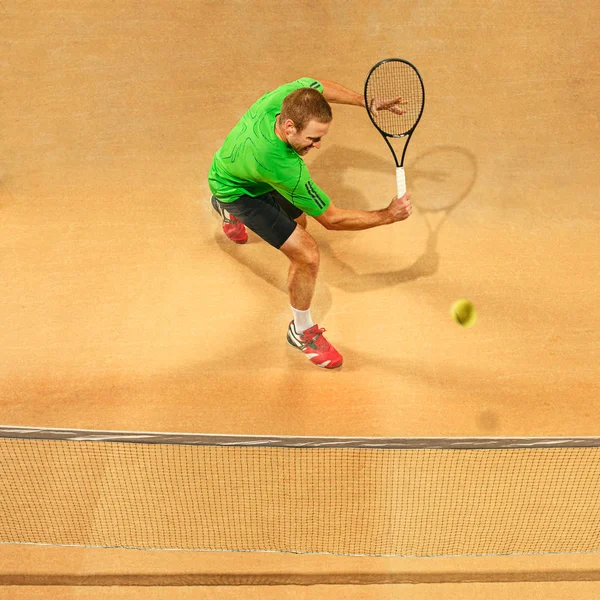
[(395, 98)]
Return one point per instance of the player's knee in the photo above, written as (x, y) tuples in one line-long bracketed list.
[(314, 258), (302, 250), (310, 256)]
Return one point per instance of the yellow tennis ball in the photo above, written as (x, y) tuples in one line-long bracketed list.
[(463, 312)]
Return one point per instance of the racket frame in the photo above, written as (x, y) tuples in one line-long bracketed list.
[(400, 176)]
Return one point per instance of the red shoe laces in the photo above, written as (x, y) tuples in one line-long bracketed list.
[(317, 336)]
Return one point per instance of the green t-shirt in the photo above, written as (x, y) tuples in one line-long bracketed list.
[(254, 161)]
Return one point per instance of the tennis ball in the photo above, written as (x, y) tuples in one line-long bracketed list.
[(463, 312)]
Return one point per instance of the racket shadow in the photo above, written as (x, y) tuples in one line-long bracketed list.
[(440, 179)]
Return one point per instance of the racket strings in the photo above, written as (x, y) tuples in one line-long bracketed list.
[(388, 81)]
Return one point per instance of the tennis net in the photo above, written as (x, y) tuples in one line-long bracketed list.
[(411, 497)]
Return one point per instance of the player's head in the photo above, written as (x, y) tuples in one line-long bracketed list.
[(304, 119)]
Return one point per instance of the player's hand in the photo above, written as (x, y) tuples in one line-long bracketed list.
[(392, 105), (400, 208)]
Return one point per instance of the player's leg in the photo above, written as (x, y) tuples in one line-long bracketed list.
[(273, 219), (303, 253)]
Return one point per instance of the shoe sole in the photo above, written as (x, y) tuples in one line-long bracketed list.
[(237, 241)]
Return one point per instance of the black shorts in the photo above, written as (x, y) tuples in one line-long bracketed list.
[(270, 216)]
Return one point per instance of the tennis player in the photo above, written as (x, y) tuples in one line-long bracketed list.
[(258, 180)]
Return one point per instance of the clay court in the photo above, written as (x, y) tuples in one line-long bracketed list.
[(124, 307)]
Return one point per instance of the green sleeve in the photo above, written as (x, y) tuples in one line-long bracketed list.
[(310, 82), (299, 188)]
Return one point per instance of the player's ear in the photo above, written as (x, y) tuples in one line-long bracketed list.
[(290, 126)]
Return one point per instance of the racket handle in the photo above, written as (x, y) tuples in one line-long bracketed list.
[(400, 182)]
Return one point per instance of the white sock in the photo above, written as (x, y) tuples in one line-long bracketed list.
[(302, 319)]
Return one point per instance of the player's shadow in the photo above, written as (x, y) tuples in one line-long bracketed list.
[(439, 180)]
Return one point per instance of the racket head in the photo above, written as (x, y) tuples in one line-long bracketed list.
[(388, 79)]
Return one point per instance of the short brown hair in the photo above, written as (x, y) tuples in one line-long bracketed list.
[(304, 105)]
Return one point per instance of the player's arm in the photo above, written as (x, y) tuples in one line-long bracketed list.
[(342, 219), (338, 94)]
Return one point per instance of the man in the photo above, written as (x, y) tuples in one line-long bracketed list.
[(259, 180)]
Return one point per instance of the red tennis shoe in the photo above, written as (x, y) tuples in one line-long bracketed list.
[(233, 228), (314, 345)]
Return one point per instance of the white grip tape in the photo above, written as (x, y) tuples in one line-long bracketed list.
[(400, 182)]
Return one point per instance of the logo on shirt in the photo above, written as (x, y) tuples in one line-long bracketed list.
[(310, 190)]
